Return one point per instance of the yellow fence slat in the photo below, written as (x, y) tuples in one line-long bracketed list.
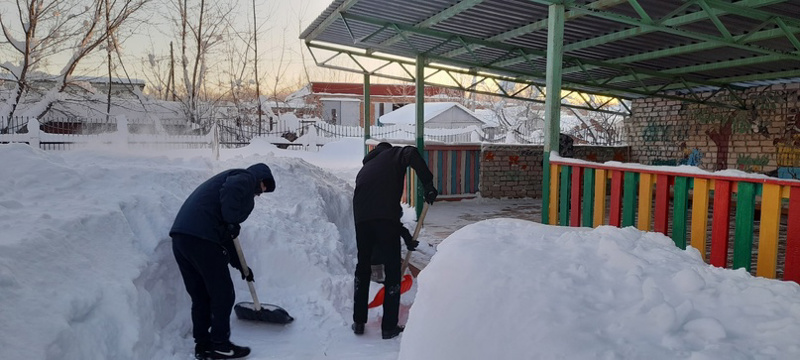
[(768, 231), (645, 201), (600, 180), (553, 202), (700, 215)]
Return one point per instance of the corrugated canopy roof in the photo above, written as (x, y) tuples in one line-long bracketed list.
[(623, 48)]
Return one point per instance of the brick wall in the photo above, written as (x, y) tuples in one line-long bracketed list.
[(668, 132), (511, 171), (515, 171)]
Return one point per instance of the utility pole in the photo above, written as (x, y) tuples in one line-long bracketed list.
[(255, 67), (171, 77)]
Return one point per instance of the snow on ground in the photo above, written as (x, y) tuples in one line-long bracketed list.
[(87, 272), (514, 289)]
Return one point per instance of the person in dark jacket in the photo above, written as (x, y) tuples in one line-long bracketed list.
[(377, 213), (202, 242)]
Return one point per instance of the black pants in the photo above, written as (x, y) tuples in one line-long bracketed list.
[(204, 267), (382, 237)]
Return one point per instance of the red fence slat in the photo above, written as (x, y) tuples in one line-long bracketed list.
[(791, 269), (662, 204), (575, 198), (615, 210), (720, 226)]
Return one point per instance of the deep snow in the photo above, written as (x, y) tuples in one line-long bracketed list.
[(86, 272)]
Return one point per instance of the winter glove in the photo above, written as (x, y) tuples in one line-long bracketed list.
[(232, 230), (430, 193), (249, 276), (411, 244)]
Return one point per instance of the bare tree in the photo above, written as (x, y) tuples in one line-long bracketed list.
[(43, 32), (599, 128), (201, 27)]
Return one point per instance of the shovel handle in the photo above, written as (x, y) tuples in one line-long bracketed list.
[(414, 237), (246, 271)]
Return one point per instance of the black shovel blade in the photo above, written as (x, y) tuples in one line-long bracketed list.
[(268, 313)]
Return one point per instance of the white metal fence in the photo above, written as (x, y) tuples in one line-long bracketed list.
[(56, 134)]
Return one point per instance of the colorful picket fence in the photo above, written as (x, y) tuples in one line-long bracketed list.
[(590, 195), (456, 172)]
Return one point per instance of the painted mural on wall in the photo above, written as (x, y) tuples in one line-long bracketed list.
[(762, 108), (655, 133), (752, 163), (788, 143), (691, 157)]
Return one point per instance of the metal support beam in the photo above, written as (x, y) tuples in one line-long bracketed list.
[(437, 18), (583, 86), (680, 32), (347, 4), (535, 26), (667, 21), (552, 112), (450, 80), (420, 121), (367, 108)]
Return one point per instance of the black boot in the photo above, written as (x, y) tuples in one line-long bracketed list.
[(227, 350), (358, 328), (388, 334), (200, 350)]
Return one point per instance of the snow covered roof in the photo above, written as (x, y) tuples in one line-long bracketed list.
[(516, 113), (407, 113), (341, 99), (90, 79)]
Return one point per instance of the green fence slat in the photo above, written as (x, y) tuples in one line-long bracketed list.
[(745, 215), (630, 189), (546, 188), (680, 206), (587, 203), (563, 194)]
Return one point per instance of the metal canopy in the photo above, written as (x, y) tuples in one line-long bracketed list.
[(625, 49)]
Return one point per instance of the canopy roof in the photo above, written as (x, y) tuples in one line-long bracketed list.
[(626, 49)]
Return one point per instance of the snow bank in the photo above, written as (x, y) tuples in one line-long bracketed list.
[(512, 289), (86, 267)]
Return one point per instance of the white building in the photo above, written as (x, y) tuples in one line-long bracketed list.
[(438, 115)]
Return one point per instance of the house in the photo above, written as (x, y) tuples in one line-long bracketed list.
[(336, 102), (341, 111), (437, 115), (79, 85)]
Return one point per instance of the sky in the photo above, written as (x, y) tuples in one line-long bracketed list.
[(280, 22), (279, 40), (87, 272)]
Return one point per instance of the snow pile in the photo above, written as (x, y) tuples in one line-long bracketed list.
[(86, 266), (512, 289), (87, 272)]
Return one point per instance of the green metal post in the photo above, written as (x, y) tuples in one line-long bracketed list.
[(367, 108), (552, 112), (420, 121)]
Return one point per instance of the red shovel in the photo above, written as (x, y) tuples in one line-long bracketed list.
[(408, 280)]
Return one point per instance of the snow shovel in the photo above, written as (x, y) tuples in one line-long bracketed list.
[(408, 280), (256, 311)]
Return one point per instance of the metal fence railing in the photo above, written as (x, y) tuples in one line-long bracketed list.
[(54, 133)]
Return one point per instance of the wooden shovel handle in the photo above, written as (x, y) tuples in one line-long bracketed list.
[(246, 272), (414, 237)]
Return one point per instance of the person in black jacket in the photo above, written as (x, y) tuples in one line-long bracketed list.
[(202, 242), (377, 213)]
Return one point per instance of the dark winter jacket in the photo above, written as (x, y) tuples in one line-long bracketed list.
[(379, 183), (225, 198)]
